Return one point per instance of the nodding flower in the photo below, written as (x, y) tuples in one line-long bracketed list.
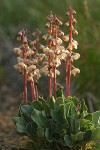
[(75, 71)]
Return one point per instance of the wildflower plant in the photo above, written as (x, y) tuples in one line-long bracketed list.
[(60, 122), (52, 51), (71, 56)]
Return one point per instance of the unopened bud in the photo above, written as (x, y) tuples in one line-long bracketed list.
[(74, 21), (20, 33), (75, 32)]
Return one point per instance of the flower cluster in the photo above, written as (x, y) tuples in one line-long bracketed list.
[(53, 50), (28, 59), (58, 48), (53, 47), (71, 44), (71, 56)]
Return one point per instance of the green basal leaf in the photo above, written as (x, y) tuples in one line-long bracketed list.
[(38, 117), (84, 123), (40, 132), (18, 119), (96, 134), (96, 118), (72, 111), (58, 128), (77, 137), (51, 126), (97, 146), (87, 136), (59, 116), (68, 99), (48, 134), (51, 102), (45, 106), (26, 111), (75, 101), (58, 102), (72, 123), (31, 129), (61, 129), (77, 126), (83, 108), (20, 124), (60, 123), (67, 108), (37, 105), (89, 117), (59, 93), (68, 141)]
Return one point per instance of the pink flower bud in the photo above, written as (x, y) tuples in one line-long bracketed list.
[(20, 33), (74, 21), (75, 32)]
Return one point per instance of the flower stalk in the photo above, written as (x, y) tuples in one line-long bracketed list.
[(49, 59), (68, 63), (33, 90), (23, 34), (71, 56)]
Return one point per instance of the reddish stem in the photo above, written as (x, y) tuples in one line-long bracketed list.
[(25, 77), (25, 85), (68, 63), (36, 92), (50, 80), (55, 83), (33, 90), (49, 61), (34, 87), (68, 69)]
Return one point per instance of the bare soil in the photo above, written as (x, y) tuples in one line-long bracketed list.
[(9, 138)]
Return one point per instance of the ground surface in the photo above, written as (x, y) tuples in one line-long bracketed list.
[(9, 138)]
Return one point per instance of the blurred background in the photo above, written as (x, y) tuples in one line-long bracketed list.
[(31, 14)]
